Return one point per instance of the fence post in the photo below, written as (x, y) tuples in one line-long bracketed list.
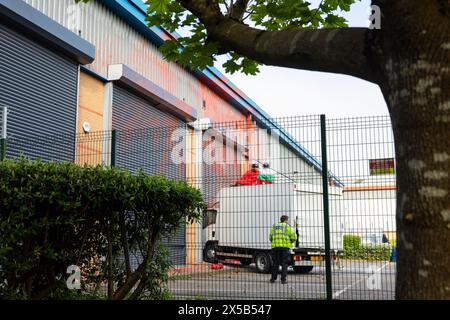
[(2, 149), (113, 147), (326, 208), (3, 125), (110, 258)]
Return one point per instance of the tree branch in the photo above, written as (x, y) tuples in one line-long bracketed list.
[(136, 276), (124, 236), (343, 51), (238, 10), (207, 11)]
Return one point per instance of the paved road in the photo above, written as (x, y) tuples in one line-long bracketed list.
[(354, 280)]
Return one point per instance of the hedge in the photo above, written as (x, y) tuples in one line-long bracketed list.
[(353, 249), (53, 215), (351, 242)]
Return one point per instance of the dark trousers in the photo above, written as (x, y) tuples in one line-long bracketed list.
[(280, 256)]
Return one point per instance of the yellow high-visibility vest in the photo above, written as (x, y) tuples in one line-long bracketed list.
[(282, 235)]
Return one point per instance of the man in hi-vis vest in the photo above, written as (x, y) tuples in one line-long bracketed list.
[(282, 236)]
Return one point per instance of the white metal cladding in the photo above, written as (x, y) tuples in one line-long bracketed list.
[(368, 211), (117, 42), (286, 164), (295, 168)]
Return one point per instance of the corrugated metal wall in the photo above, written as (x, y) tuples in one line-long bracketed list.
[(117, 42), (144, 141), (368, 211), (221, 173), (217, 176), (144, 136), (267, 146), (40, 89)]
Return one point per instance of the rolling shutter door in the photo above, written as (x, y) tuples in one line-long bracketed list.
[(144, 135), (40, 88), (144, 142)]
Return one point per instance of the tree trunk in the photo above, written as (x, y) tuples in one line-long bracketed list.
[(414, 57), (131, 281)]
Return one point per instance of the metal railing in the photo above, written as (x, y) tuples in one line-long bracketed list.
[(335, 178)]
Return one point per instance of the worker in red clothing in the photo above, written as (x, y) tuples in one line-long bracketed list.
[(250, 177)]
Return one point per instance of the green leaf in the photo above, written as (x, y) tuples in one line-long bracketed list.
[(158, 6)]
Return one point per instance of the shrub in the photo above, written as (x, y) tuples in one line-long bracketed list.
[(354, 250), (352, 242), (53, 215), (375, 252), (352, 245)]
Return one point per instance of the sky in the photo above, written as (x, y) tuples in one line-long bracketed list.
[(287, 92)]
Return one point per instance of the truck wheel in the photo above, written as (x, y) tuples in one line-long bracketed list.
[(263, 262), (303, 269), (210, 253)]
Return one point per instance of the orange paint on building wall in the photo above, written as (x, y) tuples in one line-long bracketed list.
[(90, 109), (91, 103), (192, 179), (217, 109), (370, 188)]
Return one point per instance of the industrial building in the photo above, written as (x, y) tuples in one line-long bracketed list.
[(68, 69)]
